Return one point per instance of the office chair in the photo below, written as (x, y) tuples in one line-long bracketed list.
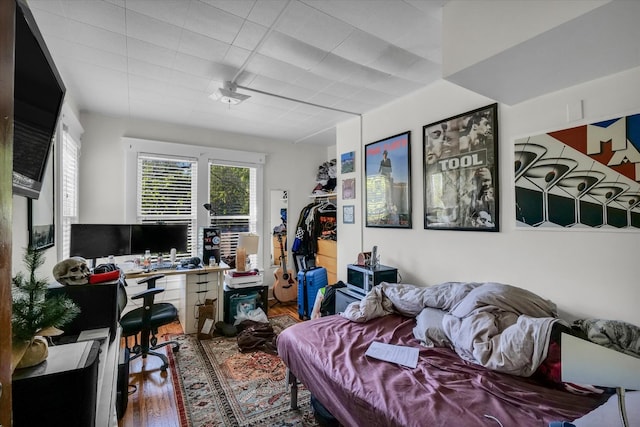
[(145, 320)]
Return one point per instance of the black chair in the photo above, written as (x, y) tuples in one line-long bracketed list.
[(146, 320)]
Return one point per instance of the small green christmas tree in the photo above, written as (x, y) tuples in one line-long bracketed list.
[(32, 312)]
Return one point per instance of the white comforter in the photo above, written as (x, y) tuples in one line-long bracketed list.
[(498, 326)]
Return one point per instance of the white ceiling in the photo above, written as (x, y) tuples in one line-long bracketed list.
[(600, 38), (161, 59)]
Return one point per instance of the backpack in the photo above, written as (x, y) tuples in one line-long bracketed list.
[(328, 305), (256, 336)]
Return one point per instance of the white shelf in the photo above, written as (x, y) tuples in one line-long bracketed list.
[(322, 196), (107, 381)]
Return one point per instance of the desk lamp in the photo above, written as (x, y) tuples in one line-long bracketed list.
[(584, 362), (247, 245)]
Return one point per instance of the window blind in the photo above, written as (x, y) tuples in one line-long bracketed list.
[(69, 175), (167, 192)]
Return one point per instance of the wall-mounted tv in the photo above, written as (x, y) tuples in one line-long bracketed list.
[(38, 96)]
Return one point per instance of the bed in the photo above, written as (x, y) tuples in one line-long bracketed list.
[(327, 355)]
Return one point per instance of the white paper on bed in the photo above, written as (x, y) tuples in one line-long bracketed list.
[(402, 355)]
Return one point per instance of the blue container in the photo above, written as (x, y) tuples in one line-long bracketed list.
[(309, 282)]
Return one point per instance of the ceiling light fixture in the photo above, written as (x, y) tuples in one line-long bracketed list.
[(228, 94)]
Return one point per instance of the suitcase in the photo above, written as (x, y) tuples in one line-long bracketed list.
[(309, 282)]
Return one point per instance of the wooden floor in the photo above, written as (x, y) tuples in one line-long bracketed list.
[(151, 398)]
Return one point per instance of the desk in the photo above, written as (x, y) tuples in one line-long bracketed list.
[(199, 284)]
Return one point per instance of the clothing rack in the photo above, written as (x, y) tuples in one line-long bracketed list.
[(312, 224)]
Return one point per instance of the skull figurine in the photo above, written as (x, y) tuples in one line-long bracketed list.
[(72, 271)]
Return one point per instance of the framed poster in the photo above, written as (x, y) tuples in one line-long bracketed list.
[(348, 188), (347, 160), (348, 214), (41, 211), (460, 156), (388, 182), (581, 178)]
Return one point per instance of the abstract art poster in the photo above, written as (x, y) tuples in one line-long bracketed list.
[(585, 177)]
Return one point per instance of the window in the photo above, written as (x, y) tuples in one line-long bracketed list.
[(194, 161), (167, 192), (70, 157), (232, 194)]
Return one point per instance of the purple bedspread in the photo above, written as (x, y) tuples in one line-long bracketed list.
[(327, 356)]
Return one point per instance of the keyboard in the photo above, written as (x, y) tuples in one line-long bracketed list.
[(162, 266)]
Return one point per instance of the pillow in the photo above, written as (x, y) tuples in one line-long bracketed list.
[(429, 329), (608, 414)]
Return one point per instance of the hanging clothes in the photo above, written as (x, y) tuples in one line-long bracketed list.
[(317, 221)]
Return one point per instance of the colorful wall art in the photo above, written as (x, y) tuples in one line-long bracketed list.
[(388, 182), (586, 177)]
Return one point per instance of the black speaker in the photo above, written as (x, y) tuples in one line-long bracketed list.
[(99, 303), (61, 391), (122, 392), (210, 245)]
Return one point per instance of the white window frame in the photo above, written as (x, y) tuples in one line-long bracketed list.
[(68, 124), (204, 155), (231, 239)]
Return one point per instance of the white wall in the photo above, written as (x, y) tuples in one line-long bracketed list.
[(288, 166), (587, 273)]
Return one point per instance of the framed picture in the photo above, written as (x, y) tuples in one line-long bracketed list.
[(347, 162), (41, 211), (348, 188), (460, 156), (567, 179), (348, 214), (388, 182)]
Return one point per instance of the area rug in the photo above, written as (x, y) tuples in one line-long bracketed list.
[(216, 385)]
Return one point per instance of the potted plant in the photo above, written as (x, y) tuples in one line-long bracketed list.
[(35, 316)]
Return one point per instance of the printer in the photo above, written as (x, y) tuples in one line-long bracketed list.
[(243, 279)]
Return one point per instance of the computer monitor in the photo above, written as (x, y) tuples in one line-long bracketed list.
[(100, 240), (159, 238)]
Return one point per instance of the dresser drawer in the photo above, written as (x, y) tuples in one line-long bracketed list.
[(327, 262), (327, 247)]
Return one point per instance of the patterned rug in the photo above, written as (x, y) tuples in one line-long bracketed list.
[(216, 385)]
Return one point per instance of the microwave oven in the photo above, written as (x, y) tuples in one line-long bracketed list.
[(363, 278)]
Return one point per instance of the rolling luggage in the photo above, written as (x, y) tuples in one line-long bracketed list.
[(309, 282)]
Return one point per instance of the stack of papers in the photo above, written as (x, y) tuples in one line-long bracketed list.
[(402, 355)]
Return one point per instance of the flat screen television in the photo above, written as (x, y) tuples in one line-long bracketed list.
[(38, 97), (100, 240), (159, 238)]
